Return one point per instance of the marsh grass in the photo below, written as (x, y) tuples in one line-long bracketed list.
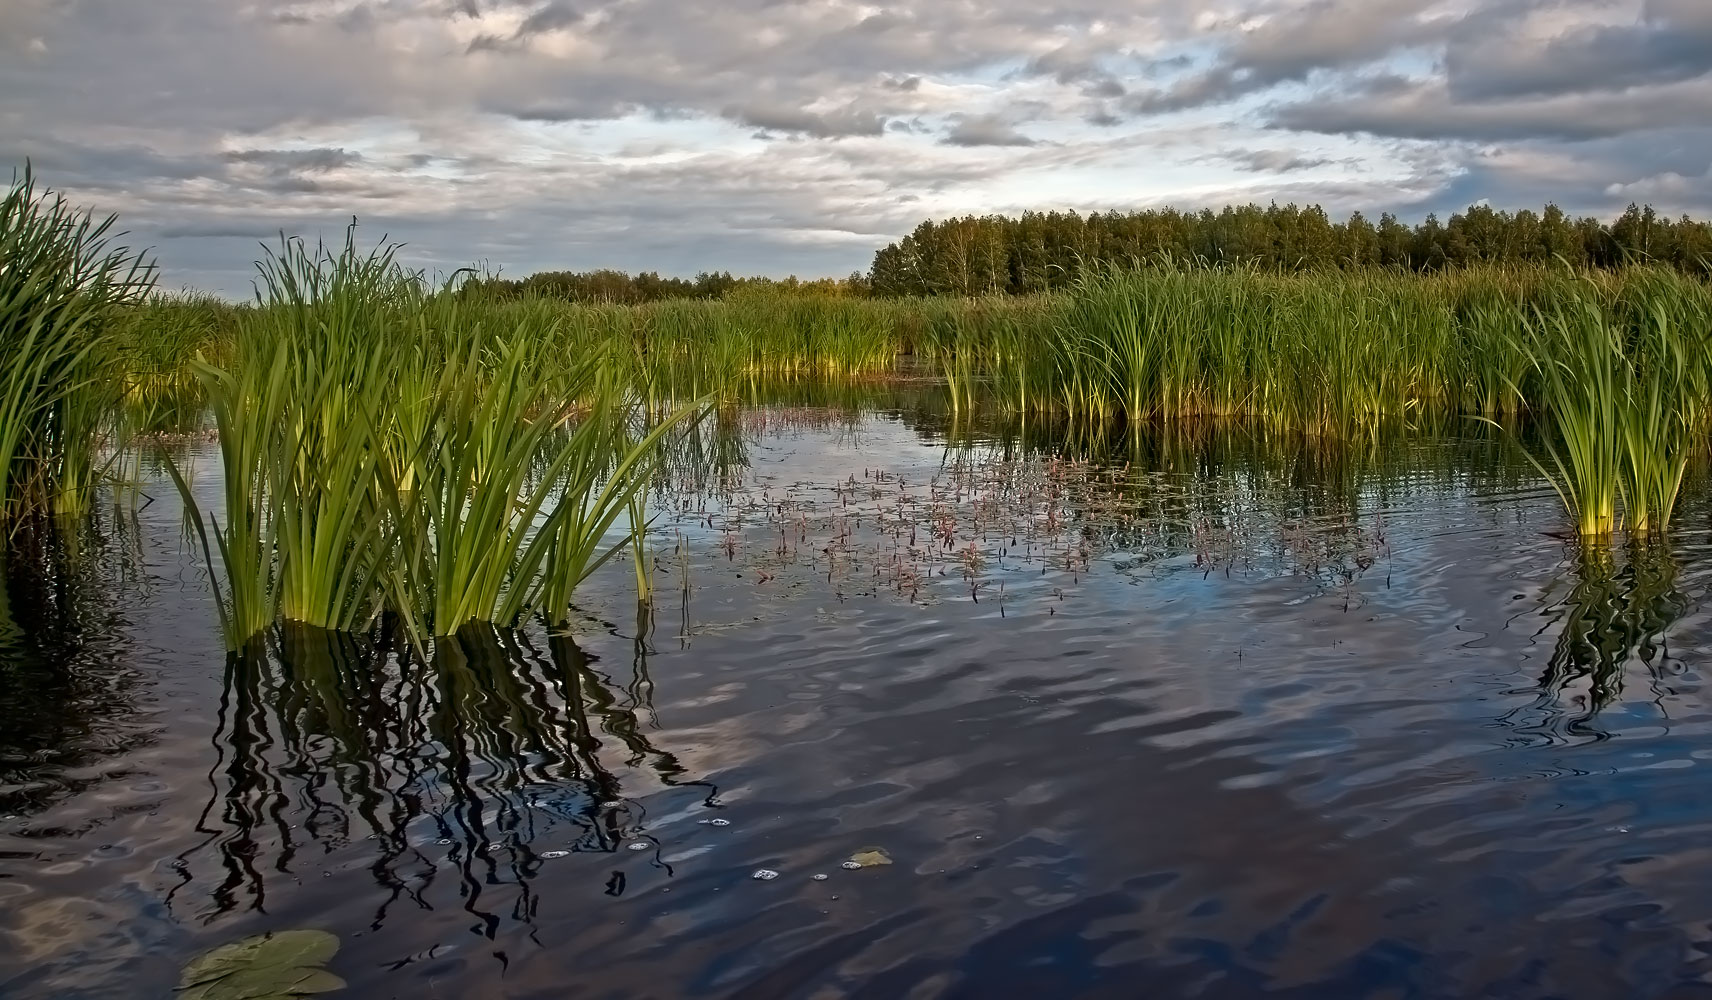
[(158, 342), (386, 451), (63, 279), (1618, 377), (1614, 367), (372, 419)]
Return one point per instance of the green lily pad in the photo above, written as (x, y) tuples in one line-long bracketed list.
[(871, 857), (279, 965)]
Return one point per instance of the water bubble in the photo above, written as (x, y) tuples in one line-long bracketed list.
[(818, 878), (640, 845), (851, 866), (718, 822), (443, 841), (764, 875), (555, 854)]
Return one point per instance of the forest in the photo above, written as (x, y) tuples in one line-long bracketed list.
[(1043, 251), (612, 287)]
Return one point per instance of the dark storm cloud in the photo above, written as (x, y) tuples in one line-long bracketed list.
[(317, 160), (103, 166), (552, 17), (1319, 36)]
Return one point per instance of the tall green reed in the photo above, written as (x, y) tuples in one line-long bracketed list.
[(62, 281), (393, 450)]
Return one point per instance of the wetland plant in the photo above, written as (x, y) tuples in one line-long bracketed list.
[(392, 450), (1619, 380), (63, 279)]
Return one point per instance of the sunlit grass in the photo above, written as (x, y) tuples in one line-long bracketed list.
[(63, 281), (386, 450)]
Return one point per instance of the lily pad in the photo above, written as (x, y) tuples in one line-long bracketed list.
[(871, 857), (279, 965)]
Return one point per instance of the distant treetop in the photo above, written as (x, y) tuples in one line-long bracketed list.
[(1040, 251), (619, 288)]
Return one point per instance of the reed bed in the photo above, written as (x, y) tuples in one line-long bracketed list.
[(1611, 365), (362, 409), (63, 282), (392, 454)]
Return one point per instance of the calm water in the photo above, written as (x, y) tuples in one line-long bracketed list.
[(1202, 718)]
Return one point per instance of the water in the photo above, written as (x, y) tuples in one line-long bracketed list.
[(1206, 718)]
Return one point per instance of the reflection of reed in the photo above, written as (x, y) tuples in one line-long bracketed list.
[(65, 683), (1616, 615), (486, 754)]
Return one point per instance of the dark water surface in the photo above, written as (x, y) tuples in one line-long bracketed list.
[(1210, 718)]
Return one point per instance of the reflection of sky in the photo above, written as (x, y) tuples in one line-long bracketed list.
[(1285, 773)]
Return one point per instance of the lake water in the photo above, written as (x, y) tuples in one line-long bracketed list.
[(1207, 716)]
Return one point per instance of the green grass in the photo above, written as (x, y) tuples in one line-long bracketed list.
[(63, 280), (1612, 365), (396, 448), (389, 450)]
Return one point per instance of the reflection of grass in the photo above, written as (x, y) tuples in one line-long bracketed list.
[(66, 688), (495, 748), (1615, 616)]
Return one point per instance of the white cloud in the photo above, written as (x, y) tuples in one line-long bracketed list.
[(754, 135)]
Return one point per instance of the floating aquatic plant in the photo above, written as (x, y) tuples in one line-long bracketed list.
[(278, 965)]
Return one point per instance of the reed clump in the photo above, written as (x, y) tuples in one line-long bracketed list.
[(1620, 370), (157, 341), (390, 453), (1612, 366), (63, 281)]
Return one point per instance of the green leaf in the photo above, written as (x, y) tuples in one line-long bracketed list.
[(279, 964)]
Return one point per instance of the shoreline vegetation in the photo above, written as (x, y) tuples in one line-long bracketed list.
[(423, 456), (1041, 252)]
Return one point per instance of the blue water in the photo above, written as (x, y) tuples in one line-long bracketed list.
[(1213, 720)]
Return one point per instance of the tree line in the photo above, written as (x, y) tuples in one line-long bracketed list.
[(618, 287), (1041, 251)]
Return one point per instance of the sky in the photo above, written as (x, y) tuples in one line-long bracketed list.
[(798, 136)]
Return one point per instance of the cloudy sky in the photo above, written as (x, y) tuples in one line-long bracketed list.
[(796, 136)]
